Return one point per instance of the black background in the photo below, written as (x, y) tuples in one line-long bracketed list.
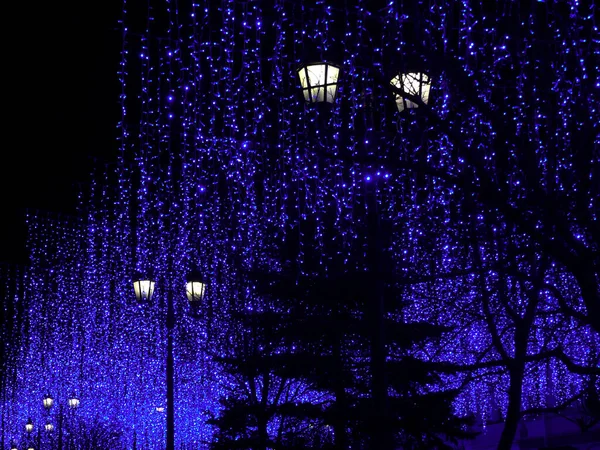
[(61, 107)]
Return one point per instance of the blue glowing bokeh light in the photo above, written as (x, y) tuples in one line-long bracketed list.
[(254, 164)]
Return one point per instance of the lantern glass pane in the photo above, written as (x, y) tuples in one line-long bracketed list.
[(195, 291), (303, 79), (319, 82), (425, 86), (304, 83), (332, 79), (331, 90), (316, 74), (332, 74), (74, 402), (316, 80), (414, 83), (317, 94), (48, 402), (144, 289)]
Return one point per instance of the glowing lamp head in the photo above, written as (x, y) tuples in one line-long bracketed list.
[(73, 402), (319, 82), (30, 448), (49, 427), (48, 402), (29, 426), (414, 83), (160, 409), (195, 287), (143, 288)]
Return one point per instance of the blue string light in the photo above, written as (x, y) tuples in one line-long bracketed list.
[(255, 165)]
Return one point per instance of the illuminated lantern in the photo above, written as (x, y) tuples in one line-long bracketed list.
[(73, 402), (143, 288), (29, 426), (195, 288), (49, 427), (30, 448), (48, 402), (414, 83), (319, 82), (160, 409), (13, 446)]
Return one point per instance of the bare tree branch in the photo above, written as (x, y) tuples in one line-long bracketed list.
[(554, 409)]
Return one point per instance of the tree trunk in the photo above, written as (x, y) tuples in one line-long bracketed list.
[(263, 436), (513, 413)]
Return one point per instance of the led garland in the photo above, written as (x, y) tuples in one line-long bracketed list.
[(255, 166)]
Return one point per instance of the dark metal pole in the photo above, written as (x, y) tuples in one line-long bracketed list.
[(170, 375), (3, 409), (60, 426), (381, 437), (175, 147)]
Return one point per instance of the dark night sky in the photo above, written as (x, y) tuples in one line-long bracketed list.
[(62, 109)]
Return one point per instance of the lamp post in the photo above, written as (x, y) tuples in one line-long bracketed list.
[(319, 84), (144, 290), (73, 403), (48, 403), (314, 80), (28, 429), (379, 382)]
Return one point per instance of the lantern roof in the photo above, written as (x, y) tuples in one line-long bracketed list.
[(195, 275), (139, 275)]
